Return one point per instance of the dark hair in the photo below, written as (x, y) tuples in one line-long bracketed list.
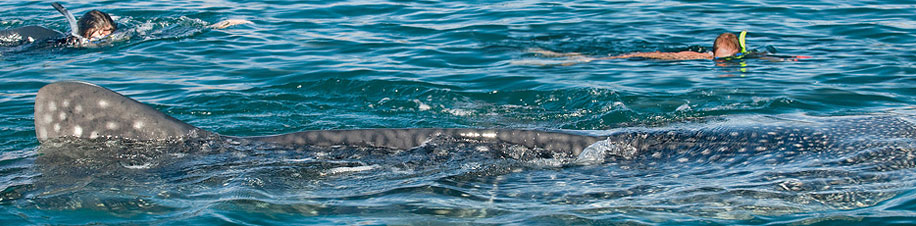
[(94, 20)]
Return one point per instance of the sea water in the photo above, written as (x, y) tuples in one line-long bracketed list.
[(467, 64)]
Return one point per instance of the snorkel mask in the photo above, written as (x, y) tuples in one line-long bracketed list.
[(99, 39)]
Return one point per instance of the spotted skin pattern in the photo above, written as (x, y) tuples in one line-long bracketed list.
[(725, 168), (88, 111), (83, 110)]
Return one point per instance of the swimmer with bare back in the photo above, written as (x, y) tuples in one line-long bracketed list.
[(727, 46)]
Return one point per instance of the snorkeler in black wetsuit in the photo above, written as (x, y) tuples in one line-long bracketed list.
[(92, 26)]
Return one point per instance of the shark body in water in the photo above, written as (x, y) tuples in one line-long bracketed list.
[(84, 110), (757, 164)]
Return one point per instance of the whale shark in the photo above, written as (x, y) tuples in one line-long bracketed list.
[(721, 168), (84, 110)]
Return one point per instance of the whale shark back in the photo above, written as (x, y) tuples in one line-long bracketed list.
[(406, 138), (85, 110)]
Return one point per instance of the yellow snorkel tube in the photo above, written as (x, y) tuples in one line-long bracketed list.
[(743, 51), (741, 41)]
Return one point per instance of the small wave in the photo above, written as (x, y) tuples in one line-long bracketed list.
[(340, 170), (141, 166)]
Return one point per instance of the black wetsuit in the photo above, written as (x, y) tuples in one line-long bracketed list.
[(28, 35)]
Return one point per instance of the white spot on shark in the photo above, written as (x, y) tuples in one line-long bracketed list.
[(103, 103), (78, 108), (66, 103), (48, 118), (111, 125), (138, 125), (485, 135), (52, 106), (77, 131), (470, 134), (62, 116), (42, 133), (56, 127), (93, 134)]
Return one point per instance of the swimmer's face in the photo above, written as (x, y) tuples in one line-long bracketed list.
[(96, 24), (93, 33)]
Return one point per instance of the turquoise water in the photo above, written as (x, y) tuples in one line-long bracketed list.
[(391, 64)]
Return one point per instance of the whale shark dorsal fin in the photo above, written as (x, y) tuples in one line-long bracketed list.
[(83, 110)]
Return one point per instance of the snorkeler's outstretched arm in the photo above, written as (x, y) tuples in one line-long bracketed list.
[(547, 53), (228, 23), (683, 55)]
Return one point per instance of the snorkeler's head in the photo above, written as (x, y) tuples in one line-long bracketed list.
[(96, 24), (726, 45)]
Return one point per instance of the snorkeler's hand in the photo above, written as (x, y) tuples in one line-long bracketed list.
[(229, 22)]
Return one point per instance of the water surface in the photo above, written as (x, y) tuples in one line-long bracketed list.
[(389, 64)]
